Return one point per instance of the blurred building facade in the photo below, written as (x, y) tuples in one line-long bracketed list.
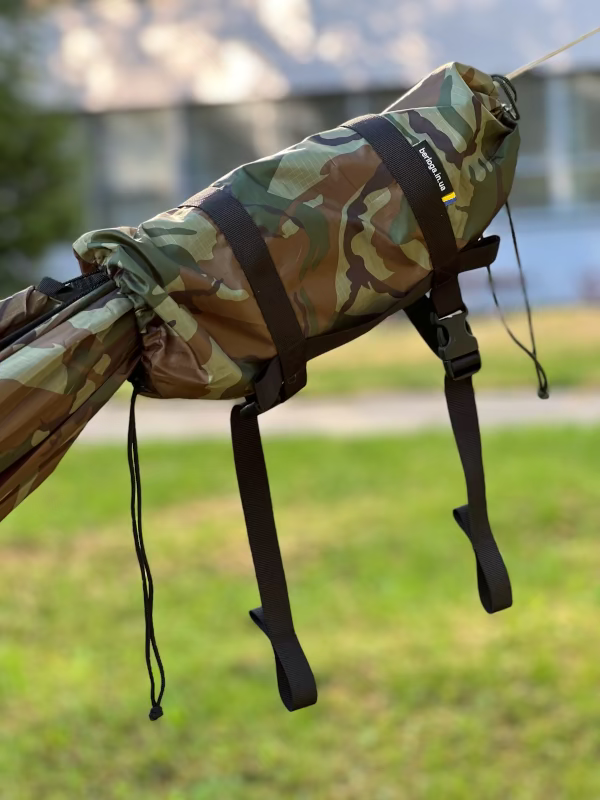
[(170, 96)]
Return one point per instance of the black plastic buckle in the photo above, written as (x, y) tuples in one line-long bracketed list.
[(458, 348)]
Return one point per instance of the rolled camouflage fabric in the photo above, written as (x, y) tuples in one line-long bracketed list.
[(54, 379), (171, 301), (343, 238), (341, 234)]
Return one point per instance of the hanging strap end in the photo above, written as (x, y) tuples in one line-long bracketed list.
[(493, 583)]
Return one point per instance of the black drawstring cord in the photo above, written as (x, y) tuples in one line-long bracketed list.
[(511, 94), (543, 392), (147, 584)]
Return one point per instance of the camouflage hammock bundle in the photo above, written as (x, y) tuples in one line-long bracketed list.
[(64, 351), (230, 294)]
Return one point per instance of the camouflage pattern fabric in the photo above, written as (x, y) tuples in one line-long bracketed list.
[(341, 234), (54, 379), (21, 309)]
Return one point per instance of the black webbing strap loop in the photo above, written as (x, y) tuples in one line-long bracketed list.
[(65, 294), (492, 577), (252, 254), (50, 286), (478, 254), (294, 676), (284, 376), (441, 320)]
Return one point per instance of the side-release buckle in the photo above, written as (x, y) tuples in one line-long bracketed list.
[(458, 348)]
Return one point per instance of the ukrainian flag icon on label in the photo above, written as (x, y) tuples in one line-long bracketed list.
[(449, 198)]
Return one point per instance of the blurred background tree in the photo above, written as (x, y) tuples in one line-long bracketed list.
[(37, 168)]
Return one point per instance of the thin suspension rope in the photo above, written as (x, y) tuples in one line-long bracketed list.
[(532, 64), (537, 61)]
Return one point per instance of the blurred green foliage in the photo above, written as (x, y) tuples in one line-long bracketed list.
[(37, 170), (422, 695)]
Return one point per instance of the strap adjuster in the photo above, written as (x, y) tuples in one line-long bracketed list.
[(272, 388), (249, 407), (458, 348)]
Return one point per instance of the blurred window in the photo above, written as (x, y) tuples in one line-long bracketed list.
[(532, 183), (146, 161), (137, 172), (379, 100), (223, 137), (584, 133), (219, 139), (300, 117)]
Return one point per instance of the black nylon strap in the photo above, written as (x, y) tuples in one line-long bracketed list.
[(416, 181), (474, 256), (252, 254), (421, 191), (65, 295), (295, 680), (492, 577), (50, 286), (420, 316), (478, 254), (294, 676)]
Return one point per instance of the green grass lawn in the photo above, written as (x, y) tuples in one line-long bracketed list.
[(393, 357), (422, 695)]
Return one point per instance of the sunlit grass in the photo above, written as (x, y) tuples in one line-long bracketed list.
[(393, 356), (422, 695)]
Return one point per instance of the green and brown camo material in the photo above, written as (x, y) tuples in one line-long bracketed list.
[(341, 234), (56, 378)]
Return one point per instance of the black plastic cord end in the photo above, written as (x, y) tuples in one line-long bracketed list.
[(156, 712)]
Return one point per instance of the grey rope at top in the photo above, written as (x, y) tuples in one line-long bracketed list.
[(532, 64)]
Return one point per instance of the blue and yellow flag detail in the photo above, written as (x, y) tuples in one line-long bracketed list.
[(449, 198)]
